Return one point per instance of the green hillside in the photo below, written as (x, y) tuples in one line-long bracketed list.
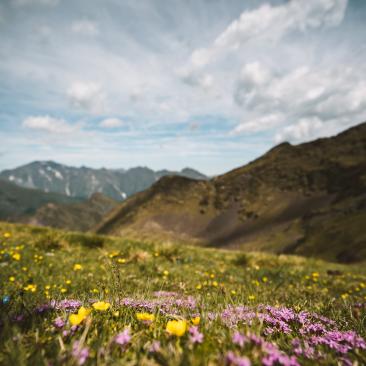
[(306, 199), (80, 216), (18, 203), (164, 304)]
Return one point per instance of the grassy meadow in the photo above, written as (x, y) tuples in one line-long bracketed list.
[(74, 299)]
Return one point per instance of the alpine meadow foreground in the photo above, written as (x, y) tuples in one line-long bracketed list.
[(69, 298)]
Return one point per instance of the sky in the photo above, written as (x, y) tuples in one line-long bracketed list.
[(209, 84)]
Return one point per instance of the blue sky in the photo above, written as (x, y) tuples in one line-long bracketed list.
[(210, 84)]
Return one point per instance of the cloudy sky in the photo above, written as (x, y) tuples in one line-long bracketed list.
[(210, 84)]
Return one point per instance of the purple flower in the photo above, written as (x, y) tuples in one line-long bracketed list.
[(155, 347), (195, 335), (234, 360), (123, 338), (238, 339), (59, 322), (80, 354)]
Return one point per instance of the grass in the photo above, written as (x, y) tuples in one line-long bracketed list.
[(220, 291)]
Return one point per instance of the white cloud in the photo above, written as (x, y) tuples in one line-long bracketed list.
[(111, 123), (306, 129), (88, 96), (85, 27), (271, 23), (258, 124), (193, 78), (48, 124), (35, 2)]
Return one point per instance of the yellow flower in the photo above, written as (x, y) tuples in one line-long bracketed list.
[(101, 305), (68, 282), (145, 317), (165, 273), (233, 292), (76, 319), (264, 279), (176, 327), (196, 320), (77, 267), (251, 297), (7, 235), (11, 278), (16, 256), (121, 260), (344, 296), (198, 287), (31, 288), (215, 284), (63, 290)]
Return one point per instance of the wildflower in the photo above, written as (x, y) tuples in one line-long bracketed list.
[(196, 320), (6, 299), (176, 327), (233, 292), (155, 347), (238, 339), (59, 322), (68, 282), (31, 288), (232, 359), (7, 235), (77, 267), (81, 354), (11, 278), (16, 256), (123, 338), (63, 290), (101, 305), (198, 287), (145, 317), (344, 296), (215, 284), (165, 273), (251, 297), (121, 260), (76, 319), (264, 279), (195, 335)]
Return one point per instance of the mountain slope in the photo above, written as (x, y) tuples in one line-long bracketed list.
[(17, 203), (80, 216), (308, 199), (83, 182)]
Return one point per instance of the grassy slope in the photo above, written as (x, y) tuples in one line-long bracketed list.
[(81, 216), (18, 202), (278, 203), (114, 268)]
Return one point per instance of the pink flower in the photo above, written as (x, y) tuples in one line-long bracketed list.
[(123, 338), (80, 354), (195, 335)]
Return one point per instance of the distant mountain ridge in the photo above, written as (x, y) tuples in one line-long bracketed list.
[(117, 184), (307, 199)]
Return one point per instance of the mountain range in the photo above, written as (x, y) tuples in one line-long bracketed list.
[(117, 184), (307, 199)]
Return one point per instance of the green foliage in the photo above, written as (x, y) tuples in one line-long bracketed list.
[(92, 268)]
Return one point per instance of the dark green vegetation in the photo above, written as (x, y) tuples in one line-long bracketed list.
[(40, 265), (18, 204), (83, 182), (308, 199), (81, 216)]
